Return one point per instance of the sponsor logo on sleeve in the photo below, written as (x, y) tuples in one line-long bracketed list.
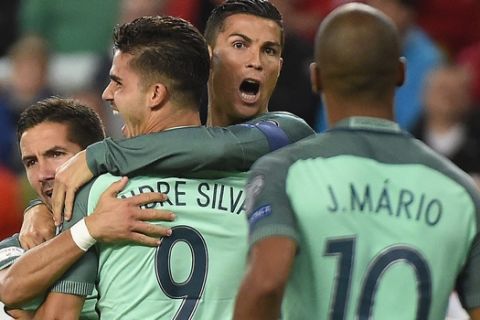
[(10, 252)]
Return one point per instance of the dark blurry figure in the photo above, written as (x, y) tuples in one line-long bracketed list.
[(450, 125)]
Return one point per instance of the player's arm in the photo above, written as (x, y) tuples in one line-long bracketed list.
[(59, 306), (261, 291), (178, 150), (234, 148), (273, 241), (37, 269), (40, 267), (468, 281), (67, 296), (10, 250), (37, 226), (468, 284)]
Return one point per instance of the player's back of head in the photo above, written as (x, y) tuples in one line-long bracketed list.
[(357, 51), (168, 49)]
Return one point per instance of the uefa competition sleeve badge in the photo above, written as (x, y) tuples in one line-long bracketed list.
[(253, 189)]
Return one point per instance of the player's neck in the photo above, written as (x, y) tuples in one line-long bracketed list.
[(217, 119), (340, 109), (166, 119)]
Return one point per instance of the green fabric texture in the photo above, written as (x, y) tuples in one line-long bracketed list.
[(185, 150), (385, 228)]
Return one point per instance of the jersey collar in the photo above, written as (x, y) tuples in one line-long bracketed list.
[(368, 123)]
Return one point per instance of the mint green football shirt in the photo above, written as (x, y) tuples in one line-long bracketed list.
[(385, 227), (177, 152), (194, 274)]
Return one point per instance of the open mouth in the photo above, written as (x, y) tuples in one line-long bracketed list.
[(249, 90)]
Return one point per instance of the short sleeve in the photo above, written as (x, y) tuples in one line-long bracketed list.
[(80, 278), (269, 210)]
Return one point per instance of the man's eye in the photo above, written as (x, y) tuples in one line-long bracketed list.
[(270, 51), (29, 163), (114, 83), (57, 154), (238, 45)]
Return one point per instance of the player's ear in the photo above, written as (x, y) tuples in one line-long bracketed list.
[(402, 67), (315, 78), (210, 51), (158, 95)]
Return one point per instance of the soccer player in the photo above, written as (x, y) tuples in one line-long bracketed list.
[(49, 132), (160, 65), (245, 39), (232, 48), (362, 222), (229, 149), (241, 145), (50, 140)]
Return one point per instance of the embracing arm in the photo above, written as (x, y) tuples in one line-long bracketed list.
[(15, 313), (40, 267), (37, 226), (178, 151), (10, 250), (60, 306)]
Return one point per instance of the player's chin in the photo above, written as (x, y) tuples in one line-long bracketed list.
[(247, 111)]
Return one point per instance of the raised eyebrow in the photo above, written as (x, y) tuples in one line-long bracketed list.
[(241, 36), (27, 158)]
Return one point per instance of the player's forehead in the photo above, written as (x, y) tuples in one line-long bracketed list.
[(251, 26), (45, 136), (121, 68)]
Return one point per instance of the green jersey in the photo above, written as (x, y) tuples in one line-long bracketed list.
[(11, 250), (193, 274), (178, 151), (385, 228)]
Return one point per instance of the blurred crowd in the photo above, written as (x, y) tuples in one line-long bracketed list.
[(63, 48)]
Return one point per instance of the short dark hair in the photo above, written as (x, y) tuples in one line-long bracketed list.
[(258, 8), (84, 125), (166, 48)]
